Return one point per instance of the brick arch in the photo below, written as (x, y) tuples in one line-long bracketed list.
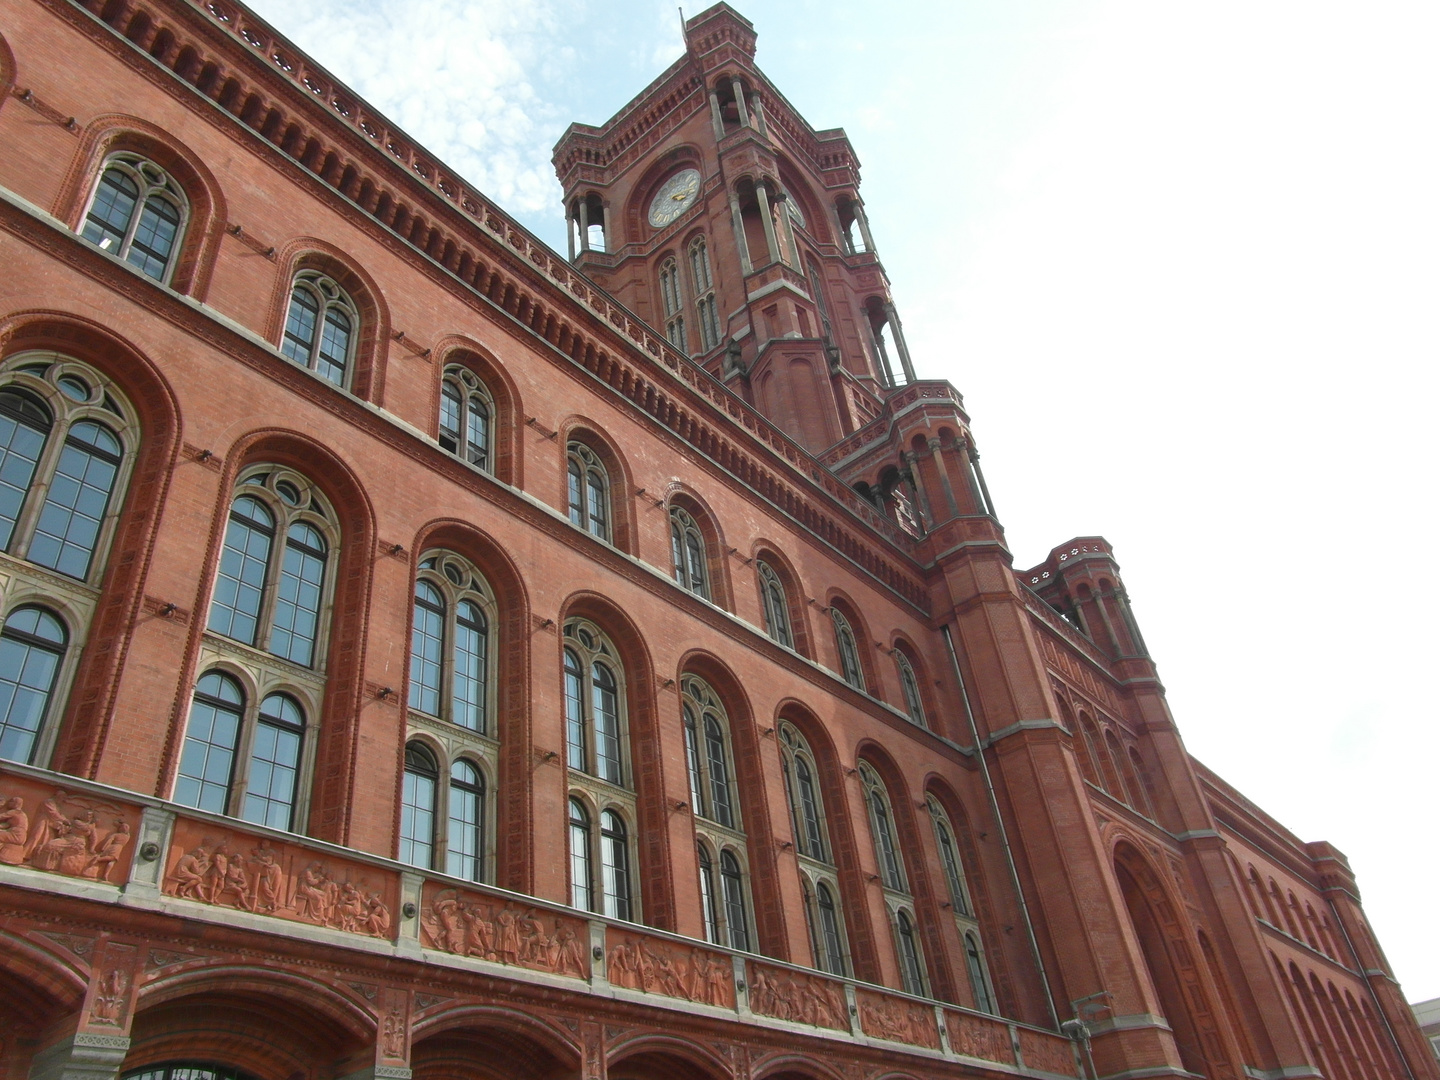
[(1168, 955), (90, 706), (665, 1057), (372, 350), (676, 158), (681, 495), (754, 804), (800, 629), (864, 643), (508, 423), (335, 782), (864, 955), (490, 1042), (817, 219), (205, 227), (513, 861), (265, 1021), (647, 763), (927, 906), (36, 986), (787, 1066), (624, 529)]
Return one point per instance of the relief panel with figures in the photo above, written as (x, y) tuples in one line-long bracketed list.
[(660, 967), (468, 924), (81, 836), (898, 1020), (787, 995)]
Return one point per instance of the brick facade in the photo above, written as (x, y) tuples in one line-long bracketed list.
[(846, 795)]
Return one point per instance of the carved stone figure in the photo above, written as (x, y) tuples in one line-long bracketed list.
[(14, 828), (109, 998)]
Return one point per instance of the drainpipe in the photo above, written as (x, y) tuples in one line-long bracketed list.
[(1000, 828)]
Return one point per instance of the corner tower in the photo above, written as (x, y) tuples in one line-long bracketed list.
[(714, 211)]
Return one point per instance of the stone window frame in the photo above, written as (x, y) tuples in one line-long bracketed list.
[(847, 650), (691, 575), (470, 386), (910, 692), (458, 579), (329, 295), (582, 464), (962, 904), (597, 804), (702, 288), (712, 850), (154, 181), (673, 302), (775, 604), (446, 752)]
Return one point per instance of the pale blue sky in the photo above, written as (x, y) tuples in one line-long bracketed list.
[(1180, 258)]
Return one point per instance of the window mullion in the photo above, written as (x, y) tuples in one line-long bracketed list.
[(135, 215), (279, 547)]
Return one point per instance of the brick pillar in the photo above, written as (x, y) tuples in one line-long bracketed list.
[(96, 1047), (391, 1055)]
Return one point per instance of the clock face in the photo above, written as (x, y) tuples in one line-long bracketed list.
[(675, 196), (793, 205)]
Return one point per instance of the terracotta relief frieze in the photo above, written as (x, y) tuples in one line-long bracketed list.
[(898, 1020), (787, 995), (1047, 1053), (468, 924), (284, 880), (660, 967), (977, 1037), (50, 829)]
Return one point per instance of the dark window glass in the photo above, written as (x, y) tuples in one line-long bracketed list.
[(813, 839), (733, 885), (575, 741), (832, 951), (979, 985), (471, 648), (605, 700), (31, 647), (274, 763), (109, 218), (417, 807), (240, 583), (707, 897), (464, 849), (75, 505), (300, 325), (582, 888), (615, 865), (24, 426), (207, 761), (719, 773), (427, 644), (692, 766), (297, 603), (885, 842), (909, 955)]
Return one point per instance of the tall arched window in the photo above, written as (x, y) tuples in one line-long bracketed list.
[(582, 884), (242, 760), (817, 875), (961, 905), (137, 213), (979, 979), (615, 865), (417, 806), (798, 767), (831, 950), (709, 912), (466, 411), (732, 883), (776, 605), (465, 832), (32, 646), (882, 828), (912, 971), (687, 550), (589, 490), (270, 593), (707, 753), (849, 652), (450, 642), (321, 327), (63, 454), (949, 857), (703, 286), (594, 708), (716, 813), (910, 687), (672, 304)]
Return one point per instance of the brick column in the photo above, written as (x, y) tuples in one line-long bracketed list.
[(95, 1047)]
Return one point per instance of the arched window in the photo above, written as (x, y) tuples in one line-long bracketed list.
[(849, 652), (776, 605), (615, 865), (466, 410), (979, 980), (949, 857), (465, 834), (672, 304), (882, 827), (798, 767), (709, 912), (321, 327), (450, 642), (417, 806), (32, 646), (732, 884), (831, 950), (137, 213), (186, 1071), (240, 760), (912, 972), (687, 549), (589, 489), (582, 887), (594, 706), (703, 286), (62, 457), (270, 594), (707, 753), (910, 687)]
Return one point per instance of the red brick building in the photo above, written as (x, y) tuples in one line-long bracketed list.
[(425, 654)]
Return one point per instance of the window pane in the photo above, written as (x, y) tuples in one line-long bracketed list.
[(833, 960), (109, 217), (207, 761), (581, 889), (30, 651), (297, 604), (809, 810), (155, 237), (909, 955), (707, 898), (599, 505), (695, 564), (885, 842), (334, 346), (300, 326), (734, 887), (477, 433), (240, 583), (75, 505), (605, 703), (463, 850), (451, 402), (23, 428), (274, 763), (692, 765), (417, 809), (719, 773), (577, 493), (471, 643), (979, 986), (574, 714), (426, 648), (615, 859)]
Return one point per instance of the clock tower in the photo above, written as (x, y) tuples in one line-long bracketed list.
[(715, 212)]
